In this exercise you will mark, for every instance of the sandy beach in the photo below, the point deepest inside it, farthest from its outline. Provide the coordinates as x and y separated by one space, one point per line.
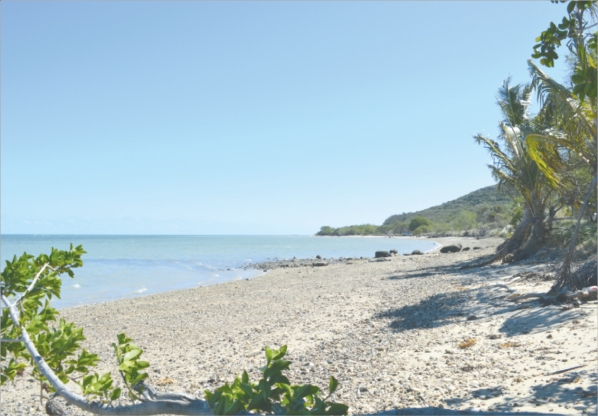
389 331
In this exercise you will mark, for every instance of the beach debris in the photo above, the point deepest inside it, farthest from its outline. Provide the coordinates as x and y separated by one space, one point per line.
509 344
453 248
55 408
467 343
379 254
564 370
586 293
165 381
494 336
502 285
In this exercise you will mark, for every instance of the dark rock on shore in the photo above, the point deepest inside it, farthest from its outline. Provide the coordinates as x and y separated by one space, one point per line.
453 248
295 262
382 254
416 253
393 252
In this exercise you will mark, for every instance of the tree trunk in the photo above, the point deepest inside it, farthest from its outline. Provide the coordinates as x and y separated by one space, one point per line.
513 244
538 234
567 280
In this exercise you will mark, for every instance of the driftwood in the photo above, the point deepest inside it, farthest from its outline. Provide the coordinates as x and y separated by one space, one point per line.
543 296
584 294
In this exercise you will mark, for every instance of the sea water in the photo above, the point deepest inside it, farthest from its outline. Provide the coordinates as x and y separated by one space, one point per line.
120 266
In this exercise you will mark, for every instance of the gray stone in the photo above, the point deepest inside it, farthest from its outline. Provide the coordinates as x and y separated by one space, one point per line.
453 248
382 254
416 253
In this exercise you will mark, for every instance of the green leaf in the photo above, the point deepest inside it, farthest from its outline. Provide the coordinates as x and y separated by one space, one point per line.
332 384
269 354
234 408
131 355
280 353
245 377
222 403
115 394
303 391
246 388
337 409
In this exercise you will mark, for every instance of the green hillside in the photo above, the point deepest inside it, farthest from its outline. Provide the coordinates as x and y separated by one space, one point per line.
447 212
485 208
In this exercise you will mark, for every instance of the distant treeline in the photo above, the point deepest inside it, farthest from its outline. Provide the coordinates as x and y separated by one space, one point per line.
485 209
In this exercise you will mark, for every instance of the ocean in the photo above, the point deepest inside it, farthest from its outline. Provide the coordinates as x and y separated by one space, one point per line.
121 266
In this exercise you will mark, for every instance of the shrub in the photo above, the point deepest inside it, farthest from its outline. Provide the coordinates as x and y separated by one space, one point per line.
273 393
418 222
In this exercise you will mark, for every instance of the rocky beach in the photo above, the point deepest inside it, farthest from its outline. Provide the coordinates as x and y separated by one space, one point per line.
403 335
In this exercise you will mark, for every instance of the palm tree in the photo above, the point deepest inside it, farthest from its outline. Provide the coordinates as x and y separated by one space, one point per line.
568 116
569 133
517 173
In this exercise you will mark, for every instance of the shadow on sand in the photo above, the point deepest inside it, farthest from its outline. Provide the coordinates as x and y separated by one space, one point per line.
475 303
442 412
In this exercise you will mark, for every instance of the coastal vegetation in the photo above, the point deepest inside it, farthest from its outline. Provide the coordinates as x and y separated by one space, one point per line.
548 160
481 210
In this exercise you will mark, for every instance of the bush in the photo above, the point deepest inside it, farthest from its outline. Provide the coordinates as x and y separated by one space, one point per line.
418 222
273 393
423 229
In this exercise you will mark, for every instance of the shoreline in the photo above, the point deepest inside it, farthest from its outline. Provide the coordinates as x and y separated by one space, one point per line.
388 331
260 267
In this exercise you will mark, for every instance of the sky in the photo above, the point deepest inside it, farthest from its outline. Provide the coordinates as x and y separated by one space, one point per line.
249 117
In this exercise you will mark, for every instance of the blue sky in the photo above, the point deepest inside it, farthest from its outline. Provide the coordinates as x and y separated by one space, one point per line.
249 117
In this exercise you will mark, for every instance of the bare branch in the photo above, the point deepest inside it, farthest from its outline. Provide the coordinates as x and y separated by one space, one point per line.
32 285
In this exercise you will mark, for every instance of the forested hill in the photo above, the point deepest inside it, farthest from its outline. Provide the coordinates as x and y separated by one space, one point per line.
485 208
447 212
